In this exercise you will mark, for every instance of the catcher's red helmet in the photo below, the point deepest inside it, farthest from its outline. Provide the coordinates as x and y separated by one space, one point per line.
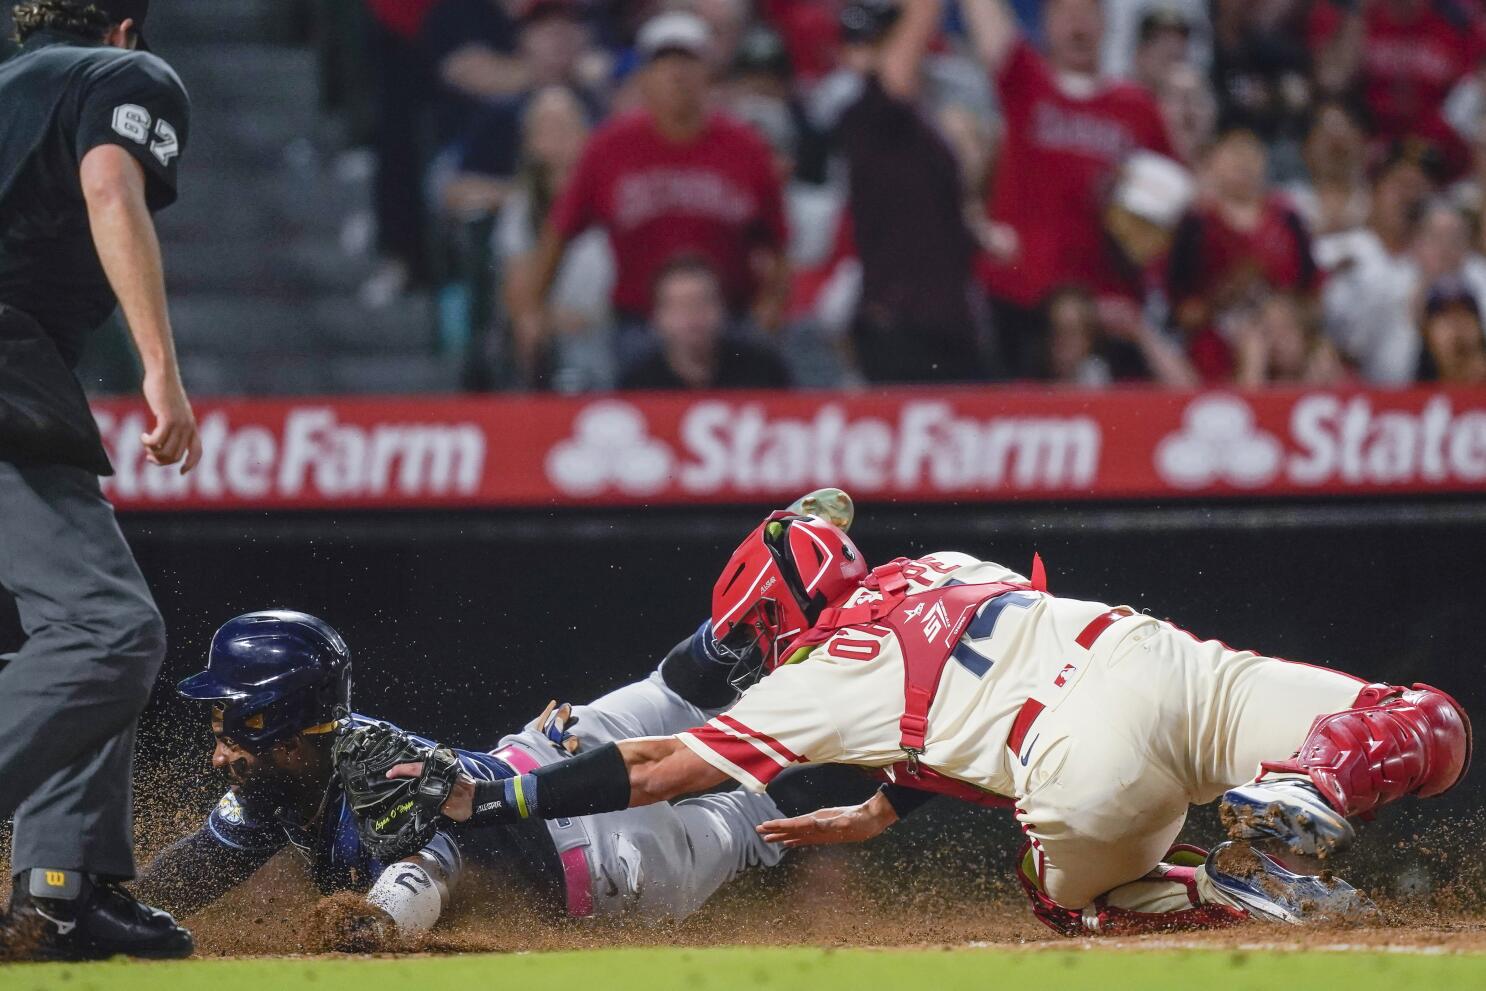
778 581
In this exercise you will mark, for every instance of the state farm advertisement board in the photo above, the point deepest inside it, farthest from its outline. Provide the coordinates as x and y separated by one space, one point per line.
905 444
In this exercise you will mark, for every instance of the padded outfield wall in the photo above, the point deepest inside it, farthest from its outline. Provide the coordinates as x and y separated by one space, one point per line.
464 620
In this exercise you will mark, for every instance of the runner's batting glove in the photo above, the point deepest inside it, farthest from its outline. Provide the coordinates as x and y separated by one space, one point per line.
556 723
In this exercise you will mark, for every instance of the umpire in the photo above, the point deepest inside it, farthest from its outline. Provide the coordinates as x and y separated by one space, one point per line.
91 130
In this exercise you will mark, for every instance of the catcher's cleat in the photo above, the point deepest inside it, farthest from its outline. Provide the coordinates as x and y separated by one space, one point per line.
1256 883
831 505
1290 810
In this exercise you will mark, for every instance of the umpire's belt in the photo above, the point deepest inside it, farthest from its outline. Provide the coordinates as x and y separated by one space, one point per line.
572 849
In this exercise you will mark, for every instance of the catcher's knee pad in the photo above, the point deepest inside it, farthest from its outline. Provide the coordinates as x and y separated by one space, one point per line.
1103 918
1393 742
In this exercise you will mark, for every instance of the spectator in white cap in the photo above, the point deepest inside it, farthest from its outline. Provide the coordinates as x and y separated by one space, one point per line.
670 178
1164 40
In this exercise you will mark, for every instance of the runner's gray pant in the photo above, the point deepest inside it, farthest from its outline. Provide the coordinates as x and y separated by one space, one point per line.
70 696
663 860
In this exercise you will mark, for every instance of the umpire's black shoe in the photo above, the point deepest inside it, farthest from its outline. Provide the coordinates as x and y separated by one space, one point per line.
67 915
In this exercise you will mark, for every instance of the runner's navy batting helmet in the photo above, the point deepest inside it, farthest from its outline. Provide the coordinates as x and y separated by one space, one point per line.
274 674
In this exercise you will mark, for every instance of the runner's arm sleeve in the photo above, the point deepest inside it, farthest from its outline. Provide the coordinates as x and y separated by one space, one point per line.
198 869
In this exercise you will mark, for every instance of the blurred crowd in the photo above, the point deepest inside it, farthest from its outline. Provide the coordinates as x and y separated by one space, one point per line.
749 193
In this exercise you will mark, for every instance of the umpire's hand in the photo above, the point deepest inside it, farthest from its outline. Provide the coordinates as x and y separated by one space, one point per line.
175 436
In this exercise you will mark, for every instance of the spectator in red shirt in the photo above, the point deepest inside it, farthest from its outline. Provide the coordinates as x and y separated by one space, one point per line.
1067 131
1405 56
1237 244
670 178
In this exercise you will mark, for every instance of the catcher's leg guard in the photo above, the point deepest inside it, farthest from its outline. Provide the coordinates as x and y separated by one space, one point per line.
1165 900
1393 742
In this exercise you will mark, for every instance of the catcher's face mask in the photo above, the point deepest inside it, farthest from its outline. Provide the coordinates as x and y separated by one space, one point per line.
752 644
775 586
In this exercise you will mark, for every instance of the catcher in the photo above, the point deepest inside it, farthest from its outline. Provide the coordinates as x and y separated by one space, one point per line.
280 686
1099 725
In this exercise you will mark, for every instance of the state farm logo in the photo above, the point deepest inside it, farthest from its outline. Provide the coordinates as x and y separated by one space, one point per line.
611 446
1219 442
1329 441
312 455
748 448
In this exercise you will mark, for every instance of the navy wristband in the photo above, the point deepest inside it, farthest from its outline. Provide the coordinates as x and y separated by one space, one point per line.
505 801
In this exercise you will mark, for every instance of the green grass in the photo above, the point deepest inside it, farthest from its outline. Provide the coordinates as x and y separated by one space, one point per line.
784 969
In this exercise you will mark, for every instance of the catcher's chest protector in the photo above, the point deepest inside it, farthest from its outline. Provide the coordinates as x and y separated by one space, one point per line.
927 626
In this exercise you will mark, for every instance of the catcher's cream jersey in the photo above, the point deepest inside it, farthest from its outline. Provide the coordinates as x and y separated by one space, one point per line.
842 703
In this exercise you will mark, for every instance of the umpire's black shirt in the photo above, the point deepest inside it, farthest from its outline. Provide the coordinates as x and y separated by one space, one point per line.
61 97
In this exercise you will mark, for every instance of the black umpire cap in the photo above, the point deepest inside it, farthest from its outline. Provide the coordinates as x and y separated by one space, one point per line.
119 11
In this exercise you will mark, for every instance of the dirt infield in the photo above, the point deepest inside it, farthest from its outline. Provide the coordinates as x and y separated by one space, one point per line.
821 903
933 885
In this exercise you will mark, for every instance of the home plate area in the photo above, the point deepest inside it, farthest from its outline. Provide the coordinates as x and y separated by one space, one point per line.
915 915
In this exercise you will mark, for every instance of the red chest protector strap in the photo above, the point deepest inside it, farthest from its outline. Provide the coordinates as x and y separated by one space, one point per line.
929 626
888 579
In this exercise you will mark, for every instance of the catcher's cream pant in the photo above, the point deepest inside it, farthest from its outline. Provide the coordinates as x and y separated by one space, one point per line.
1158 722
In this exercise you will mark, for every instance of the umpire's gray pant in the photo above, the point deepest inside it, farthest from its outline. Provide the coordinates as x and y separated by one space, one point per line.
70 696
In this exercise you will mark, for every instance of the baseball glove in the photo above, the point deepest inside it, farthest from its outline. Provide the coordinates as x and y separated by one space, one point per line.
396 817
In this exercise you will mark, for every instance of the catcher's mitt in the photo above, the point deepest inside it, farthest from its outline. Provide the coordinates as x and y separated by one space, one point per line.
396 817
